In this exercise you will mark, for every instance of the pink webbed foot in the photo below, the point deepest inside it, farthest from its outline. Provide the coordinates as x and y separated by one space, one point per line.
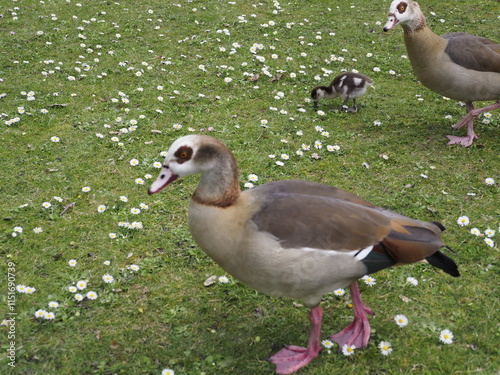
464 141
358 332
468 120
292 358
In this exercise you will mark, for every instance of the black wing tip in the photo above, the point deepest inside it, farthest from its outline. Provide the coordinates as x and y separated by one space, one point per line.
444 263
439 225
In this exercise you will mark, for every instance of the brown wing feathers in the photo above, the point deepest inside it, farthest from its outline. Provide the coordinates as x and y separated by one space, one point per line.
473 52
414 244
320 222
333 219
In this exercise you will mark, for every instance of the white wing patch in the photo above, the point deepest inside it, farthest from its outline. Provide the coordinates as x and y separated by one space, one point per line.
357 254
363 253
357 81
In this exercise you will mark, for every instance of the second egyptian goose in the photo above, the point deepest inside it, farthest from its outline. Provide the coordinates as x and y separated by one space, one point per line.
460 66
346 86
295 239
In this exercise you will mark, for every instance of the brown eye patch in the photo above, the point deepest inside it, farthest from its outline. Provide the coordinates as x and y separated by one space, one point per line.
402 7
206 153
183 154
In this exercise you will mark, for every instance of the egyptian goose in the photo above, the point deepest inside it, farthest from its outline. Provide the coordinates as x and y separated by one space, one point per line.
457 65
295 239
347 86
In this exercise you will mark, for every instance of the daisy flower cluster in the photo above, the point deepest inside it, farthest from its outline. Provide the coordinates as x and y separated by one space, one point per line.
79 288
47 207
40 313
385 347
312 149
25 289
488 234
44 314
56 207
252 179
132 211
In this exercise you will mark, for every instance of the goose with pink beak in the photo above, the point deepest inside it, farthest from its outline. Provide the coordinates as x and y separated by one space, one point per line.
295 239
456 65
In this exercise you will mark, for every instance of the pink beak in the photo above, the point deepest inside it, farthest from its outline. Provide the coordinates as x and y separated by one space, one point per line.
166 176
391 22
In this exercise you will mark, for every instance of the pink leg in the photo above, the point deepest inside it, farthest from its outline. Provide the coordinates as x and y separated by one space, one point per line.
469 120
291 358
358 332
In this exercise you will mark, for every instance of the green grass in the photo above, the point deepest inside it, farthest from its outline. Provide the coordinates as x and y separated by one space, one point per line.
162 316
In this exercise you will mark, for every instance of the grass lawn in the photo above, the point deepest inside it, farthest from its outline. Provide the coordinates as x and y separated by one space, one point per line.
92 92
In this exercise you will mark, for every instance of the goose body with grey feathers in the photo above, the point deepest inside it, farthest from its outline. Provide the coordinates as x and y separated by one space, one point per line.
295 239
457 65
347 86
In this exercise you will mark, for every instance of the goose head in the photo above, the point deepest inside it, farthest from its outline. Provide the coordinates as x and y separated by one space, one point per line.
207 156
322 92
406 13
186 156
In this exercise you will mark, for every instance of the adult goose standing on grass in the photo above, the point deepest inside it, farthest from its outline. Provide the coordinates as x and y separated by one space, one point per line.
458 65
295 239
347 86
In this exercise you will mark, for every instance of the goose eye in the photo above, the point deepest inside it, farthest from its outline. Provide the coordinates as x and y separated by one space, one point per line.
402 7
183 154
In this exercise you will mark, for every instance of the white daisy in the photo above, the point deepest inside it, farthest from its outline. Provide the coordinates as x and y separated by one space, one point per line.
475 231
385 347
81 284
108 279
446 336
370 281
348 350
92 295
489 242
401 320
40 313
489 232
223 280
327 344
253 177
339 292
